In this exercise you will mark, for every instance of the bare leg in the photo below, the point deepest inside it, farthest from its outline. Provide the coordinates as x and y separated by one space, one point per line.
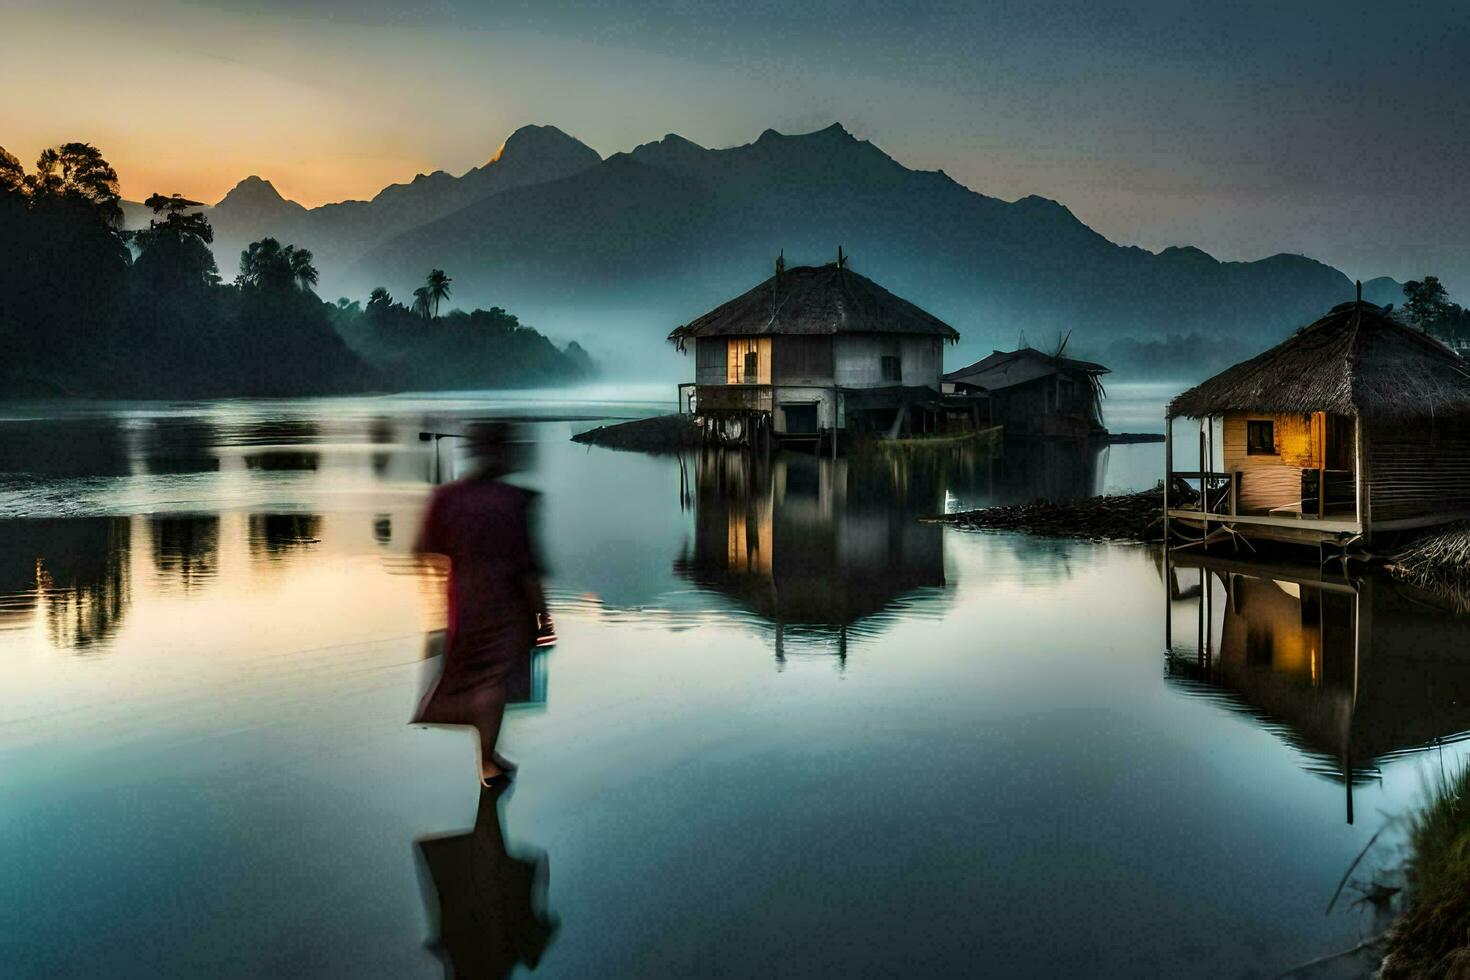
490 714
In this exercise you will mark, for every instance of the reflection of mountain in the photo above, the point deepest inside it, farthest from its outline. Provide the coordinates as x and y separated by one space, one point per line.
186 549
810 542
1352 671
488 906
274 535
75 568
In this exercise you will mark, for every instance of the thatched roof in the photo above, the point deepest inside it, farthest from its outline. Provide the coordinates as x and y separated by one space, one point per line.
1356 360
818 300
1006 369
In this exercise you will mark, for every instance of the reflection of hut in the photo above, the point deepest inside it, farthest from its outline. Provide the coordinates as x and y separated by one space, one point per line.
1351 671
1036 395
815 350
1357 424
803 541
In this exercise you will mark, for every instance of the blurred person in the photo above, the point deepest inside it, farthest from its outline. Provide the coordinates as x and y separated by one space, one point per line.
497 609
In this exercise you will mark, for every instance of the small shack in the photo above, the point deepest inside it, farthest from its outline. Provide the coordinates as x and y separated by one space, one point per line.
1035 395
812 352
1356 425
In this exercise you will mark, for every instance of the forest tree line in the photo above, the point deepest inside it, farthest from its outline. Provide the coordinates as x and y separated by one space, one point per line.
89 309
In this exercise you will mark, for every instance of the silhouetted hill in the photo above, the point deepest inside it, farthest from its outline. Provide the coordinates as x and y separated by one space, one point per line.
339 234
649 239
1384 291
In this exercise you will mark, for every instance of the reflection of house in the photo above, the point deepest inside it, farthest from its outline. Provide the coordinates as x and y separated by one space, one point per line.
812 350
1036 395
1356 424
813 542
1352 671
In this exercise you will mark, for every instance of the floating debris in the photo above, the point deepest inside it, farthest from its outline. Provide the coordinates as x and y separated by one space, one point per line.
1112 517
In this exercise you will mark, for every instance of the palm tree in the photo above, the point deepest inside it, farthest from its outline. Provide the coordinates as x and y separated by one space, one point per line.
302 271
421 301
438 286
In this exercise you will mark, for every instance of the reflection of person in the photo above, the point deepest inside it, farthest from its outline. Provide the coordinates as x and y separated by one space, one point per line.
491 910
496 607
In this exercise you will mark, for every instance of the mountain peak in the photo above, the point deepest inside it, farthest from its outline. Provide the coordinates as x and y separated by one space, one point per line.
256 193
254 187
535 141
834 131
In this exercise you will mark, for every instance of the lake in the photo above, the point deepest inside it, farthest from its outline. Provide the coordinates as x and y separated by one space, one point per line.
789 728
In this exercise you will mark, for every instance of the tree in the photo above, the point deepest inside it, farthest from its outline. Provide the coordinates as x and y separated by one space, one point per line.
1426 302
174 248
438 286
78 173
272 267
302 271
422 301
12 174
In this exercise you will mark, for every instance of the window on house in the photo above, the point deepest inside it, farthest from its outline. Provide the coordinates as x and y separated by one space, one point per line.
752 367
1260 438
892 368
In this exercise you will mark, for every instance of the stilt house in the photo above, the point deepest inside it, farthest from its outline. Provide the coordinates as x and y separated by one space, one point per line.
1358 424
814 351
1034 394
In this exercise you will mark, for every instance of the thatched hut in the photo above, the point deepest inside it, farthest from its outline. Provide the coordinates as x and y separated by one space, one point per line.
814 350
1036 395
1356 424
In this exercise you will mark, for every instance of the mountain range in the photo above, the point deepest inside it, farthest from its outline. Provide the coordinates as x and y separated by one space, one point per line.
615 252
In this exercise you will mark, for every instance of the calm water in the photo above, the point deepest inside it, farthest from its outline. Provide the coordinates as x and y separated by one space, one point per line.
789 729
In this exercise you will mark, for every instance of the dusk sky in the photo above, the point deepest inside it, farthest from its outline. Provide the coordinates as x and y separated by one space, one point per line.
1341 130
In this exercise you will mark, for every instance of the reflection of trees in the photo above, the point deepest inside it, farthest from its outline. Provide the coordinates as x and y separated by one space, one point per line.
274 535
77 568
65 447
180 445
1351 671
186 548
278 460
814 544
1020 473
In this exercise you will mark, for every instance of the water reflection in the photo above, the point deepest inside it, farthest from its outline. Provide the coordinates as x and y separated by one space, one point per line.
1351 671
814 545
185 549
177 446
276 535
487 905
75 569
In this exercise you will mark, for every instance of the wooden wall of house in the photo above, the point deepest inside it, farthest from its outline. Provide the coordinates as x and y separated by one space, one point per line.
802 361
711 357
736 349
1266 481
859 360
1417 469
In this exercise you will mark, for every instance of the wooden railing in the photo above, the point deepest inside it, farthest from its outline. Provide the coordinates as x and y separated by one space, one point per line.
732 398
1206 491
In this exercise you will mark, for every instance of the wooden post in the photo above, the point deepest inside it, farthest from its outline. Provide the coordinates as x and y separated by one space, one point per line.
1321 464
1168 471
1358 475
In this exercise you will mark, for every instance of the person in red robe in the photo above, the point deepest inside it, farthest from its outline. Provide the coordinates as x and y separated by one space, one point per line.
497 610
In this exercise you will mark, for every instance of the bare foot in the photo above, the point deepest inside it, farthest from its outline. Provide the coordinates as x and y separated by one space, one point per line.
490 773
